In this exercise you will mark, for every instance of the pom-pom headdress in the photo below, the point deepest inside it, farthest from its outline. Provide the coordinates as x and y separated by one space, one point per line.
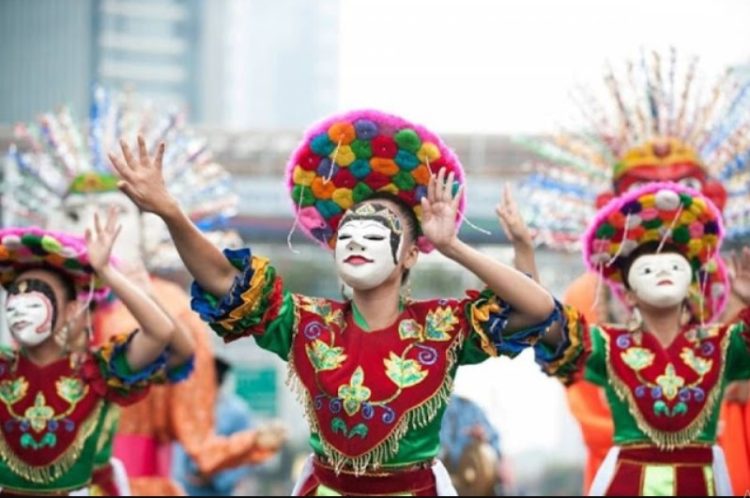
23 249
346 158
666 213
658 118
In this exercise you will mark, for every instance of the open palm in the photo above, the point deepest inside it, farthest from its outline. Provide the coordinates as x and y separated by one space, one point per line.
141 177
439 209
101 241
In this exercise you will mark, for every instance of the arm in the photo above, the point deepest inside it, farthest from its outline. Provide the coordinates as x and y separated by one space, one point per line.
156 327
142 180
518 233
531 303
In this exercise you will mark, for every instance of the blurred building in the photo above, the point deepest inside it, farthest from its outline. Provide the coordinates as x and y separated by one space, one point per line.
237 63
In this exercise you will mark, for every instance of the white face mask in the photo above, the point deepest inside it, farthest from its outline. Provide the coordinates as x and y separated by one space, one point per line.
367 248
29 318
77 215
661 280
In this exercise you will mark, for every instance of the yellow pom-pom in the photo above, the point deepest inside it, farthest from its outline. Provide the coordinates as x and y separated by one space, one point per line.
648 201
429 152
390 188
344 157
687 217
302 177
695 247
651 236
343 197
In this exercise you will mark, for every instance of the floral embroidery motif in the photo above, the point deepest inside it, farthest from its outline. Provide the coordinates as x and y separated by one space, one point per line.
39 414
324 357
339 426
323 308
355 393
439 323
701 366
12 391
71 389
670 382
638 358
404 373
410 329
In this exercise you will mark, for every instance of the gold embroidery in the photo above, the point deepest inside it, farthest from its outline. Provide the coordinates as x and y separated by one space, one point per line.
13 391
670 382
404 373
701 366
410 329
638 358
662 439
324 357
39 414
62 464
355 393
439 323
71 389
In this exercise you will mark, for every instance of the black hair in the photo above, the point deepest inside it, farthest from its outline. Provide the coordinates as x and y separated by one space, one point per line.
625 264
413 229
222 369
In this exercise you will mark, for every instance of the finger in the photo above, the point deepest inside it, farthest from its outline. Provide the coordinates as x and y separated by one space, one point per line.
87 235
122 169
142 150
431 188
426 209
160 156
97 225
510 201
127 189
117 231
504 225
111 219
129 159
440 186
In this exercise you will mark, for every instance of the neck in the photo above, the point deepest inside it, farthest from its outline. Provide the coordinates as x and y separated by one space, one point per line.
664 323
379 306
45 353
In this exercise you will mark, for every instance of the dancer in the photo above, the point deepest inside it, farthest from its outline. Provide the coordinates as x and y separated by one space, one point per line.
374 371
56 393
665 372
654 125
58 176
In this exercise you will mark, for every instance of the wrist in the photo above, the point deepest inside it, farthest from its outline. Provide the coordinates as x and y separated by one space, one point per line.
451 249
169 210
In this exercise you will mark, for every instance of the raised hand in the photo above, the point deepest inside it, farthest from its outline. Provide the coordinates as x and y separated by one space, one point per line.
739 268
511 220
141 178
439 209
101 240
271 435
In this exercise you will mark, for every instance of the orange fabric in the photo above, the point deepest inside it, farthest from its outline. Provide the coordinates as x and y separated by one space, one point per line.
183 412
589 407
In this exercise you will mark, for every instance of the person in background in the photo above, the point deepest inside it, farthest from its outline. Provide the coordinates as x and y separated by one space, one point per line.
465 428
232 416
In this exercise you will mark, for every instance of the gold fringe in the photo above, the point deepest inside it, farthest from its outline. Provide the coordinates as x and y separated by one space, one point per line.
668 440
111 421
416 418
62 464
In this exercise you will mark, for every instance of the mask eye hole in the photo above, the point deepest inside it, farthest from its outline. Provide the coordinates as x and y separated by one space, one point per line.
374 237
73 216
344 237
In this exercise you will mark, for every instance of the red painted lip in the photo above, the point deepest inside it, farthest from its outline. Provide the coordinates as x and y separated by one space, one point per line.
665 282
357 260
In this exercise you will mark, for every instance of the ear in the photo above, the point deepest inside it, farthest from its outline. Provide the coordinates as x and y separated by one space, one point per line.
630 298
411 257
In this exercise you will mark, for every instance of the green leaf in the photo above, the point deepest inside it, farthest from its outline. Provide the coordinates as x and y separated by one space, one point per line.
404 373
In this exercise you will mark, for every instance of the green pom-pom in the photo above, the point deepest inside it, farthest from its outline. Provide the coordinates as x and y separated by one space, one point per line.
32 241
307 197
651 224
327 208
681 235
360 168
686 200
406 160
404 181
322 145
51 244
606 231
361 149
72 264
361 192
408 139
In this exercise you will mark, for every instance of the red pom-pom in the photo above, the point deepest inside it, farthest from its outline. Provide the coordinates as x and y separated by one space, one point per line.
376 180
344 179
384 147
309 160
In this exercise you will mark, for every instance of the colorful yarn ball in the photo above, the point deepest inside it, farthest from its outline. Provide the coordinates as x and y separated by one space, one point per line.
345 159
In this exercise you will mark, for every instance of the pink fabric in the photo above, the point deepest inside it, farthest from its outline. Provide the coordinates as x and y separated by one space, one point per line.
140 455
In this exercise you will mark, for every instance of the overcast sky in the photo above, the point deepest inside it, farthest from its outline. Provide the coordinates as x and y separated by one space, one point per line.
508 65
